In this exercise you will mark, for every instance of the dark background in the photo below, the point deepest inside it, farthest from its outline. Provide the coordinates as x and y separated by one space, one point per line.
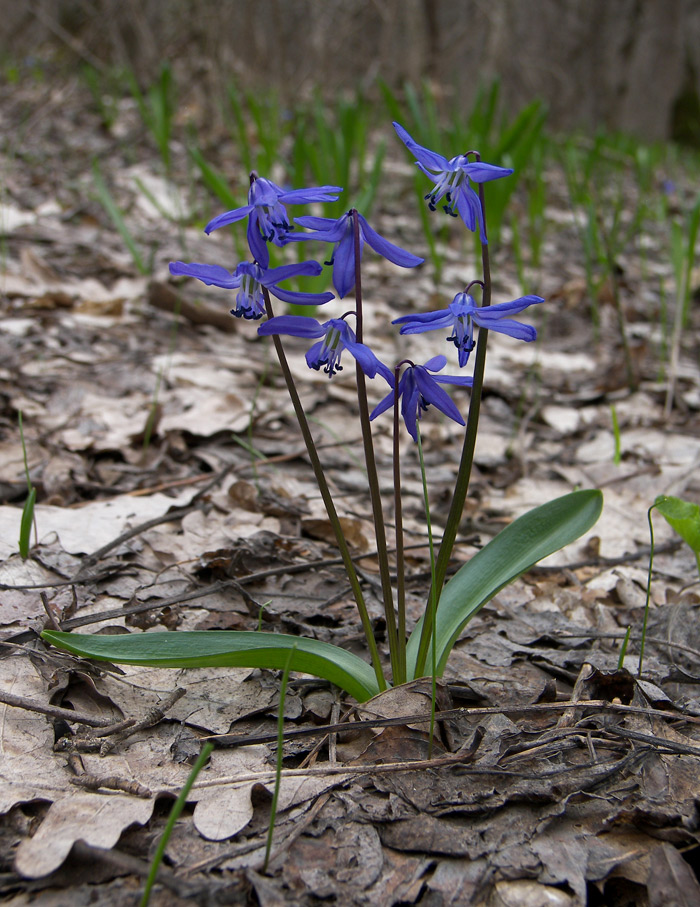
632 65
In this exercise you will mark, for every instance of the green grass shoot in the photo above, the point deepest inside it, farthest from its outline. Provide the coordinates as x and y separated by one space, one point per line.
623 649
27 521
617 454
175 812
280 756
107 201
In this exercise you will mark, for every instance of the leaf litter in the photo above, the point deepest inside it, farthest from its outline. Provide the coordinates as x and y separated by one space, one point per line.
557 777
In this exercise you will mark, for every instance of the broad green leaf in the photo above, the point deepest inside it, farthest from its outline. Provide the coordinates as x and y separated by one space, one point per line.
684 518
535 535
221 648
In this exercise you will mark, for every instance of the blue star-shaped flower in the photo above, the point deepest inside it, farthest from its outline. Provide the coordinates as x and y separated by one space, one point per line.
250 278
463 313
340 231
337 336
418 389
451 178
268 216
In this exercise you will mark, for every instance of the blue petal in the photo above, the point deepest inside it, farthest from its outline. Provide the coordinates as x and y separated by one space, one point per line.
508 308
461 380
319 223
344 265
427 158
314 194
484 173
256 243
428 321
469 208
369 363
386 402
433 393
211 275
307 268
300 298
293 325
313 354
436 363
511 328
229 217
386 249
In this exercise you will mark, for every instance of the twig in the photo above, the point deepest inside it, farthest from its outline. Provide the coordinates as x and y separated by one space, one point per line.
594 704
53 711
683 749
152 717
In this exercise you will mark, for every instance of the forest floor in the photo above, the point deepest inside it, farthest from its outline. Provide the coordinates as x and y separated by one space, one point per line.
215 523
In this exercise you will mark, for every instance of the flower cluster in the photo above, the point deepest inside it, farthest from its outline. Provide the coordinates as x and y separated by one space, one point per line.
419 386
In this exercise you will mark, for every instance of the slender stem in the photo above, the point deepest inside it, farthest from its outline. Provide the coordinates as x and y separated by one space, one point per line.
648 599
432 607
327 500
459 495
372 475
177 808
280 757
398 520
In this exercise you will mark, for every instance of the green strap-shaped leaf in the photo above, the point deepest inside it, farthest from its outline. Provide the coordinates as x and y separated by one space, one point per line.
514 550
234 648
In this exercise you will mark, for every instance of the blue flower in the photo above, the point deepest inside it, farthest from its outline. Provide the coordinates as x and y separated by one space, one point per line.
461 316
268 216
343 259
250 278
451 180
418 389
337 336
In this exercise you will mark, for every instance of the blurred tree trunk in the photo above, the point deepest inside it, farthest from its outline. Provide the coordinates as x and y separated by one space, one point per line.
625 64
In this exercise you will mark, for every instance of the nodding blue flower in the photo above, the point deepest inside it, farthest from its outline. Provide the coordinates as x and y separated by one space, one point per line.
451 178
249 279
337 336
343 259
463 313
418 389
268 220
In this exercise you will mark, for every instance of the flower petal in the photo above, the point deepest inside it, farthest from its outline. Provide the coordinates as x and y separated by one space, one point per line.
436 363
306 268
314 194
425 321
344 265
432 393
228 217
211 275
386 249
484 173
384 403
256 243
369 363
292 325
295 298
427 158
512 328
507 308
469 208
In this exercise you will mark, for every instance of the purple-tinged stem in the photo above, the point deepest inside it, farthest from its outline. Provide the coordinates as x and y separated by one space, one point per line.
372 475
327 500
459 495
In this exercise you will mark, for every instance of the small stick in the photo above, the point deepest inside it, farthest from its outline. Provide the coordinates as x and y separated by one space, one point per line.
53 711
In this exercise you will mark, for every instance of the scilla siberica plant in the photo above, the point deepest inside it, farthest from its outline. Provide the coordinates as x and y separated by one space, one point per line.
412 389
